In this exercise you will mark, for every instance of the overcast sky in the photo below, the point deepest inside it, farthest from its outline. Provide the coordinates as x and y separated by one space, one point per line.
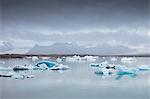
86 22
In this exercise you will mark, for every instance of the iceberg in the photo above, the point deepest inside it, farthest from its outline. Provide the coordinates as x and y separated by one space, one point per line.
105 68
104 64
128 60
35 58
48 64
113 59
144 68
51 65
81 59
59 60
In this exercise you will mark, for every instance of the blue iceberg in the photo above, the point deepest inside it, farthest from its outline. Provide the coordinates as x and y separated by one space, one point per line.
49 64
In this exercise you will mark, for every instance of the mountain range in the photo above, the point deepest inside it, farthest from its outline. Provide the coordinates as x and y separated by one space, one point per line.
70 48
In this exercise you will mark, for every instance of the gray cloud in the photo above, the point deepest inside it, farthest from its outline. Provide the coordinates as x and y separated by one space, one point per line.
72 15
121 36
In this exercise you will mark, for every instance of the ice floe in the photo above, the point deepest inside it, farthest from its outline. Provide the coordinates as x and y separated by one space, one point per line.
81 59
128 60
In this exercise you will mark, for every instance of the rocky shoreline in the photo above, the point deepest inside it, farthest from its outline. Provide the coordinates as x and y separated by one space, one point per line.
63 55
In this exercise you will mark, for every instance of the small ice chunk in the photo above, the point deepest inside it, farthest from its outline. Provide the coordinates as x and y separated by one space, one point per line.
35 58
58 60
113 59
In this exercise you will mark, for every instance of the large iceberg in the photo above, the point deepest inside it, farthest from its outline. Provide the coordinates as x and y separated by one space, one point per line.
105 68
51 65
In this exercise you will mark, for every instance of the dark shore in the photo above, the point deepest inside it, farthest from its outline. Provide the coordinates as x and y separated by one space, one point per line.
64 55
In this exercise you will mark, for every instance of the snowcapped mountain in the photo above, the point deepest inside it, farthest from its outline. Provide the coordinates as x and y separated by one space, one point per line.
6 46
70 48
9 48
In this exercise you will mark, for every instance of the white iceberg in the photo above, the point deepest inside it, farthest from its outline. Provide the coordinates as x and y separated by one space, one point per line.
35 58
59 60
128 60
113 59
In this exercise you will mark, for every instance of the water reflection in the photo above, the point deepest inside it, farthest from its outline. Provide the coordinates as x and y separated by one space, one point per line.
117 76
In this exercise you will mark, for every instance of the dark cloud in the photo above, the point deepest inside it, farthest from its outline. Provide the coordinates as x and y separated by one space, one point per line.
70 15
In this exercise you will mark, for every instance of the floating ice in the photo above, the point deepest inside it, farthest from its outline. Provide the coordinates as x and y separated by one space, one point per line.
105 68
144 68
5 75
5 68
74 59
60 67
106 71
90 58
35 58
20 68
113 59
16 76
52 65
20 76
128 60
46 64
101 65
59 60
81 59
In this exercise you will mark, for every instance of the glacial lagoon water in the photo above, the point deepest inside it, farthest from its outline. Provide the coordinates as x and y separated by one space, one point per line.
79 82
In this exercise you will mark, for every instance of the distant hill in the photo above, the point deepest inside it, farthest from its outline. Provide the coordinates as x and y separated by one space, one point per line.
69 48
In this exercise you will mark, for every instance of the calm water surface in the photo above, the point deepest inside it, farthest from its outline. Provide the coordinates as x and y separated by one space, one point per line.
79 82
